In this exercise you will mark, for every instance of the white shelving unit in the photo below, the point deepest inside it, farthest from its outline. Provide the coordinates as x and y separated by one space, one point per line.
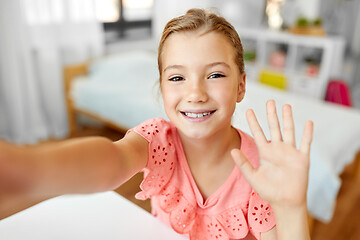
328 50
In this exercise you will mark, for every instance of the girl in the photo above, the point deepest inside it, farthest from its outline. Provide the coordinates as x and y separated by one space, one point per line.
206 179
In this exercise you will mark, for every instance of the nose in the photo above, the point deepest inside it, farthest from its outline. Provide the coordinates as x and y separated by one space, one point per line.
196 91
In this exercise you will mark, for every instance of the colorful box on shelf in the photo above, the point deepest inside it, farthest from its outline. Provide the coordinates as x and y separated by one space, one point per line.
273 78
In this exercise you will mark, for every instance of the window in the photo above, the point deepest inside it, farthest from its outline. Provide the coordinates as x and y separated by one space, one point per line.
123 17
107 10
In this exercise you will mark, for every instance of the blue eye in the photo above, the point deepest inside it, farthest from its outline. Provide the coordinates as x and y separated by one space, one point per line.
216 75
176 79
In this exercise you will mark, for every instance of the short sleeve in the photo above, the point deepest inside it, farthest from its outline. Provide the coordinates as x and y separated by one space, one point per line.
151 128
161 156
261 217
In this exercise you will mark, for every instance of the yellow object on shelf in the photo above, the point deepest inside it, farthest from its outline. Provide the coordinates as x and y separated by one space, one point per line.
273 78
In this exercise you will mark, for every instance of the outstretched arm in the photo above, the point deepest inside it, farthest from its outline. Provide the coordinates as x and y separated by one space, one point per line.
282 176
85 165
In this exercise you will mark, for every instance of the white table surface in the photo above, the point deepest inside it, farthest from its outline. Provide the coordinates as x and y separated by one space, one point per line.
94 216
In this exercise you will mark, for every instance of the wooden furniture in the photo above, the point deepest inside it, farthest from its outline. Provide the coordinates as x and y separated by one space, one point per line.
70 73
307 30
356 167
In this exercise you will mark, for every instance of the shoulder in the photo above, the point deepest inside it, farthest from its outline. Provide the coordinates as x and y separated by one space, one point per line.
162 159
153 128
148 136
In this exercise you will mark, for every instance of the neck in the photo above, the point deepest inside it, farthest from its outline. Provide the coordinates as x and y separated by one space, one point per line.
214 147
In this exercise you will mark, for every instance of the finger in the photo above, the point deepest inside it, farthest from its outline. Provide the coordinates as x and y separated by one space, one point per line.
255 128
273 121
307 137
288 125
243 164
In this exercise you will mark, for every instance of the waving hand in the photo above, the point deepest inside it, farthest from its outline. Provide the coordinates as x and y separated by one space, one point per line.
282 176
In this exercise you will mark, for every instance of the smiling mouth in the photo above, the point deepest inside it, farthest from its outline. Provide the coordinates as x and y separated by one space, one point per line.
197 115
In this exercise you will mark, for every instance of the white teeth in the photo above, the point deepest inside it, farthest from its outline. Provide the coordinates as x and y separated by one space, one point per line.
197 115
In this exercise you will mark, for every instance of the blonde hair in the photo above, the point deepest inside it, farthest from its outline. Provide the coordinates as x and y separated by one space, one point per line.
196 19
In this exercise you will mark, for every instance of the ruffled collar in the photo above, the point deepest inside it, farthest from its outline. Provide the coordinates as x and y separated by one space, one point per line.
186 216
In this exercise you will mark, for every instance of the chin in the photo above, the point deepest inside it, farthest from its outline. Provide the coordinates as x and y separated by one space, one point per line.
196 134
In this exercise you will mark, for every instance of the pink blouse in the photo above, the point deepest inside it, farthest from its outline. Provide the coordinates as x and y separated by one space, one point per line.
231 212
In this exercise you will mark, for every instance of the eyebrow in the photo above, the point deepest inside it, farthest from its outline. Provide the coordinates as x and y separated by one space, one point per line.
218 63
173 67
207 66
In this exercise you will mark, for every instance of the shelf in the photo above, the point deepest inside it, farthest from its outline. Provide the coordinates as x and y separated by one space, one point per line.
305 85
306 62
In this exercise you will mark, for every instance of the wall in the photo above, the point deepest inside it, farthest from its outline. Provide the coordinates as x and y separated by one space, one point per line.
239 12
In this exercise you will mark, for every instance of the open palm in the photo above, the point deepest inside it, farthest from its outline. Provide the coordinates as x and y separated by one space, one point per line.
282 176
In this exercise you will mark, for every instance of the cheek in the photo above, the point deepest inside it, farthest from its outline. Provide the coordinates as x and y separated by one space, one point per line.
169 95
226 93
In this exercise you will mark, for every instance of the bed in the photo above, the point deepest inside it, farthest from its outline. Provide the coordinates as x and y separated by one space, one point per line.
121 91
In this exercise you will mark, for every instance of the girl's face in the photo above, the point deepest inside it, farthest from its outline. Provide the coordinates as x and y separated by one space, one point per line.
200 83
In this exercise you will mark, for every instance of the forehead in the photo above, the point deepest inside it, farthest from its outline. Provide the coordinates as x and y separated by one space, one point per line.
194 47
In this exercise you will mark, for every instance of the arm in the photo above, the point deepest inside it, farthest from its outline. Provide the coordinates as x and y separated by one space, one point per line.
83 165
282 176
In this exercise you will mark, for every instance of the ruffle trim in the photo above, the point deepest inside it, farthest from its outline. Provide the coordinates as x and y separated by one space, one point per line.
233 223
161 164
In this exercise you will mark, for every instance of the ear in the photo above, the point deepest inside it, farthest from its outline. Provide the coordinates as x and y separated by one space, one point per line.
241 89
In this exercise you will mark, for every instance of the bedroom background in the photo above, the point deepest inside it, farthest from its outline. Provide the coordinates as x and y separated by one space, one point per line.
40 37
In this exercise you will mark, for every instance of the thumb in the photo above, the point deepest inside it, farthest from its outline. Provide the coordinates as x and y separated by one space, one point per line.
243 164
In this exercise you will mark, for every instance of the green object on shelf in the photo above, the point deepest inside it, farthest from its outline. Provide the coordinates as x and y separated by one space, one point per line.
317 22
305 22
302 22
249 56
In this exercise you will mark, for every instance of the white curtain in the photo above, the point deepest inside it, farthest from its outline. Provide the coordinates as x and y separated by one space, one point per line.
355 49
38 37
